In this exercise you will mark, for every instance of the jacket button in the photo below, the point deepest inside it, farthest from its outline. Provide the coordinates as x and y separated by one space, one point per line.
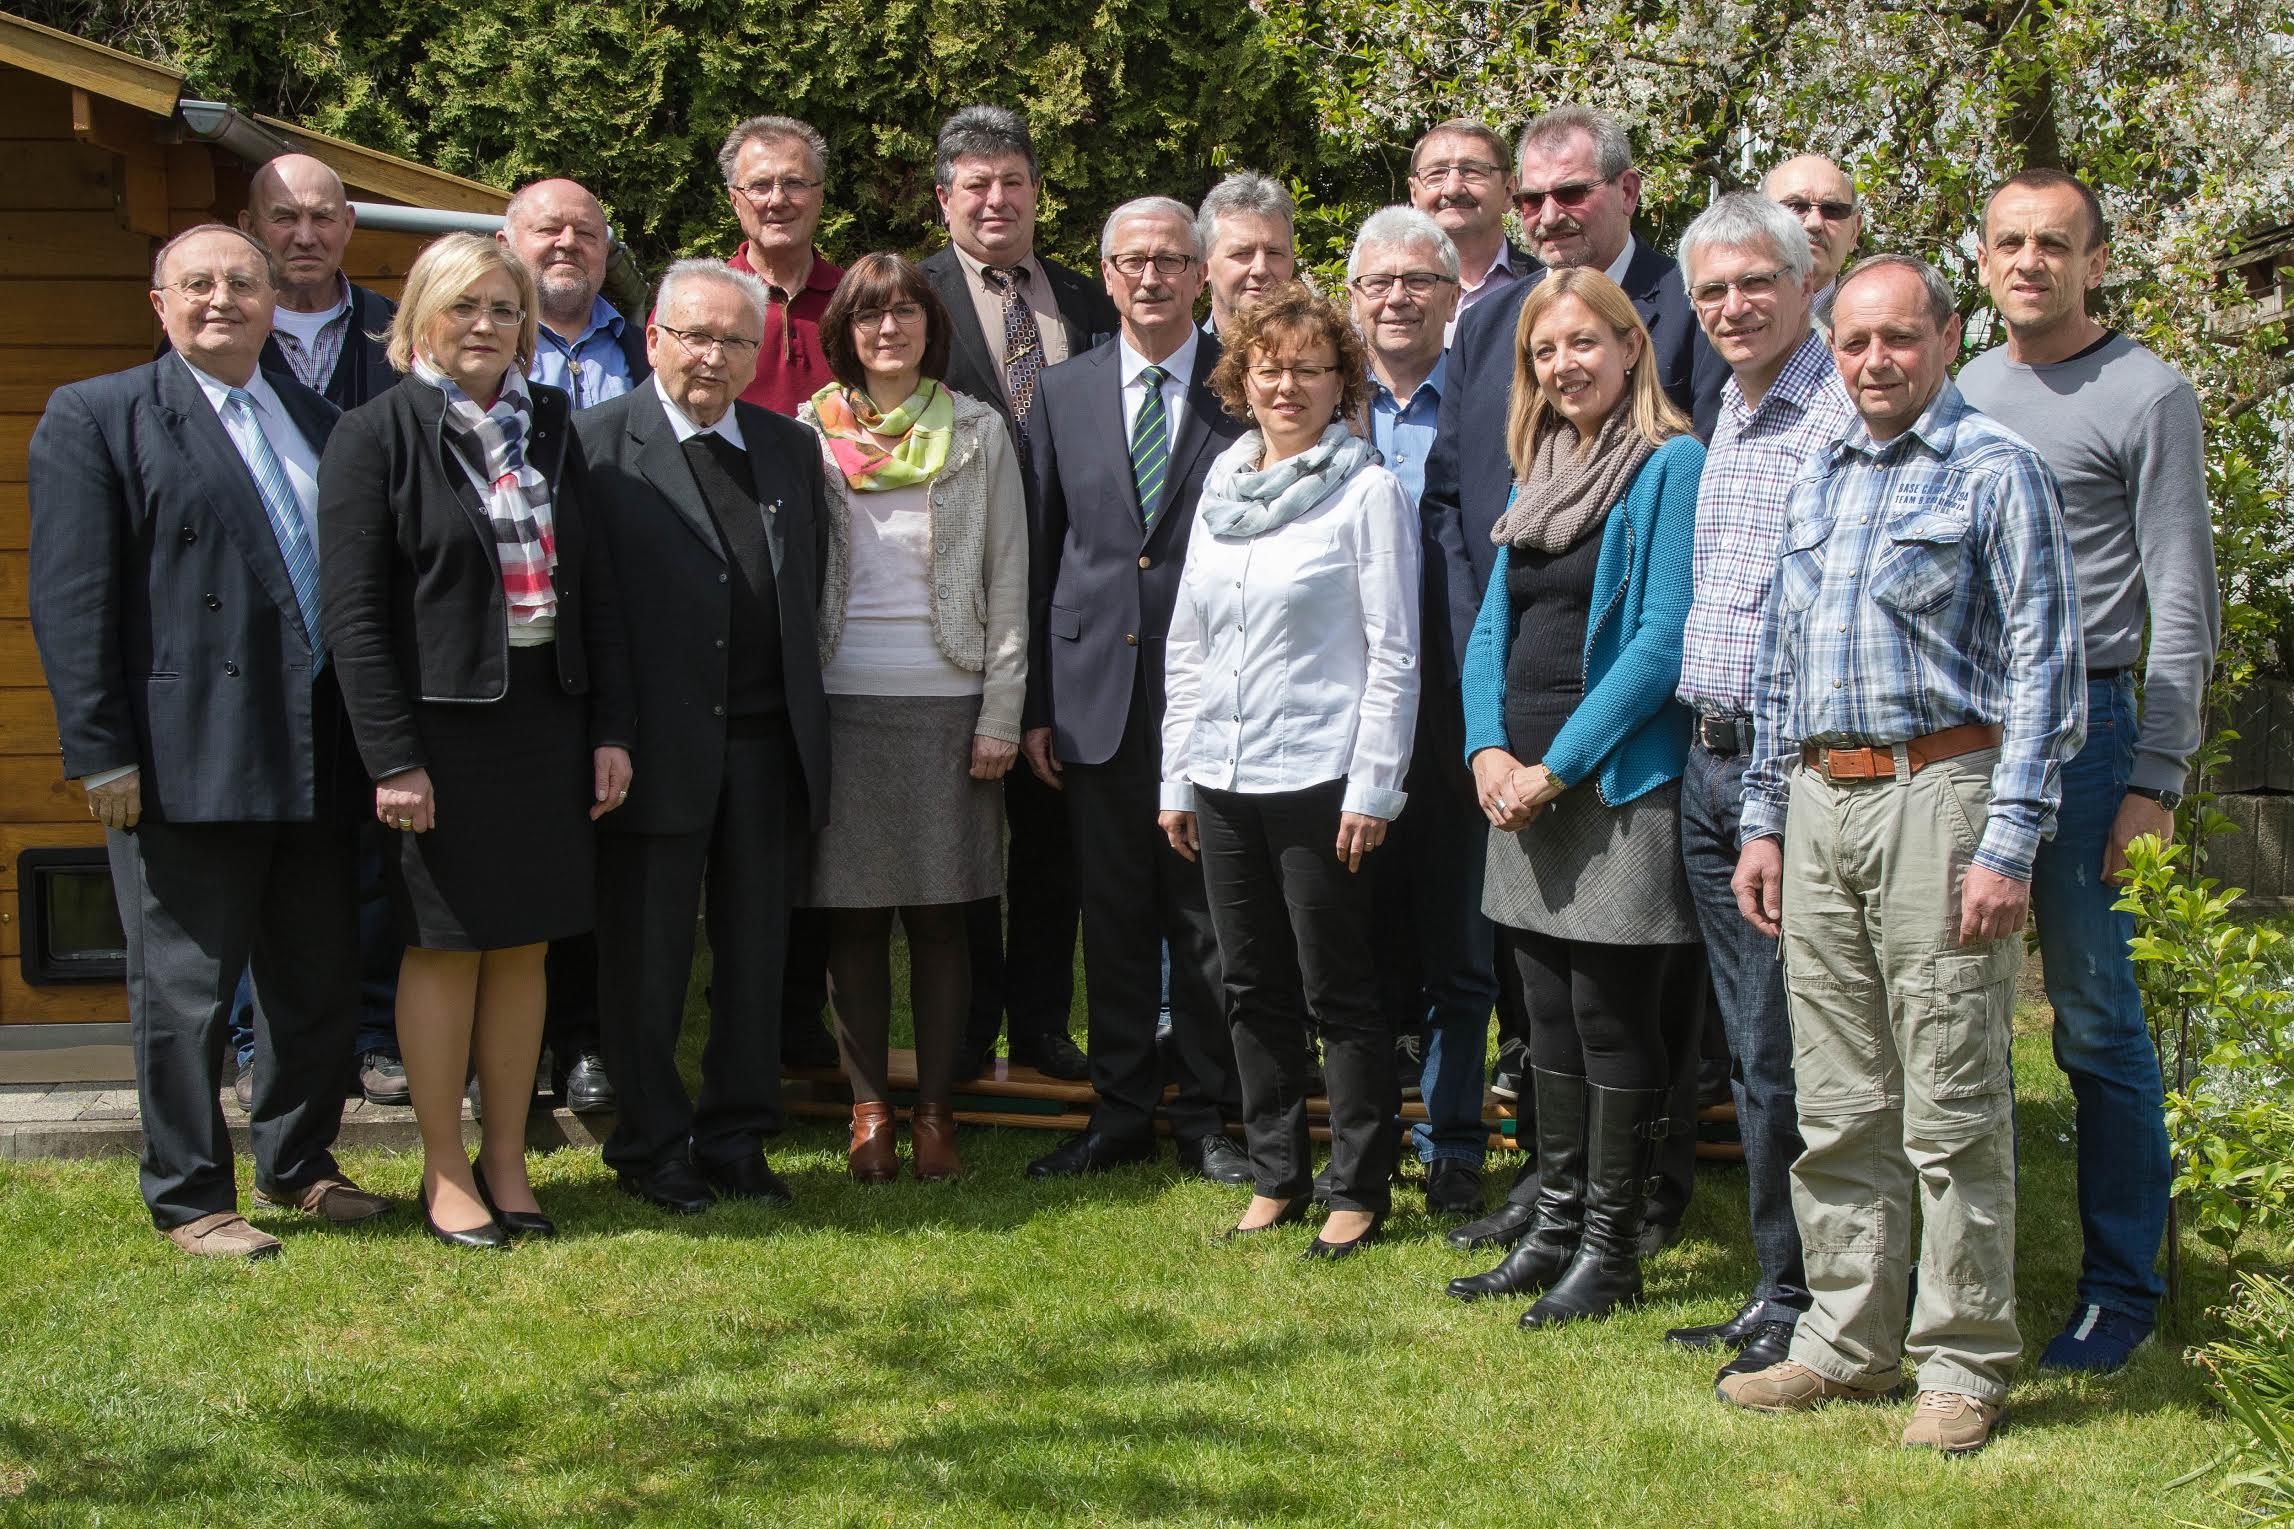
720 643
716 711
214 604
1146 562
1131 639
723 578
231 669
189 536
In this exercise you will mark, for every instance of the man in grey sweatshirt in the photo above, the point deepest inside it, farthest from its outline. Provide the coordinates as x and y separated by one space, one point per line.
2120 429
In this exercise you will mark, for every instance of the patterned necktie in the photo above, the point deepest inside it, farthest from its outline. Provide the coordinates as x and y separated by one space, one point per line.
1150 443
286 516
1023 344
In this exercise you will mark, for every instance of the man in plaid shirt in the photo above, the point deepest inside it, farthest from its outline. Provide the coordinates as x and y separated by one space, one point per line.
1921 656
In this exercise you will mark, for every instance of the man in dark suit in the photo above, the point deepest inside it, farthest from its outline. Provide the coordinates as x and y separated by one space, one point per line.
174 597
1123 438
716 514
1577 194
1015 314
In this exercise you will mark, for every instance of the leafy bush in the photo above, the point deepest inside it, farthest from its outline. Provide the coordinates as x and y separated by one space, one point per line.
2251 1369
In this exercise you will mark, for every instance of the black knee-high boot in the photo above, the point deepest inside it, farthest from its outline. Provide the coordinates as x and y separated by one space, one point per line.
1624 1129
1541 1255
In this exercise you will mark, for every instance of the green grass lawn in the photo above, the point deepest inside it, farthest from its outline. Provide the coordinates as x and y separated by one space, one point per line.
983 1353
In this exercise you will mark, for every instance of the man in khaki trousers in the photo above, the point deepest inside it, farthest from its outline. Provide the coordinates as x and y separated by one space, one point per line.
1920 683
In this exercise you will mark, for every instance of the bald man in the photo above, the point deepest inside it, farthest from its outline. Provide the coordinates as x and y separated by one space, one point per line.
321 331
1819 193
585 346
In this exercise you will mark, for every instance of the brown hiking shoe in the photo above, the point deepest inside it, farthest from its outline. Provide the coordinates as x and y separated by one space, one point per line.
222 1234
336 1199
1793 1387
1952 1422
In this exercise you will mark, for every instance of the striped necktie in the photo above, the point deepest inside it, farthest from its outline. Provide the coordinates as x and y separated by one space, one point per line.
1150 444
1023 344
286 515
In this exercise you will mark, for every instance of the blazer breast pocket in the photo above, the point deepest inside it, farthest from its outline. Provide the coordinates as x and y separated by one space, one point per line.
1066 623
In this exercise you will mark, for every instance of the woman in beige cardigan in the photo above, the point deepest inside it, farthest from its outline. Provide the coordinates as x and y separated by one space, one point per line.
923 632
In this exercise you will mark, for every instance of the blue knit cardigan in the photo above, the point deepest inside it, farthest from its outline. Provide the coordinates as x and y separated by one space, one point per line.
1629 727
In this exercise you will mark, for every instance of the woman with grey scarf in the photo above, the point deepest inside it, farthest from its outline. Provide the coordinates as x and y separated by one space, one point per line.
1291 679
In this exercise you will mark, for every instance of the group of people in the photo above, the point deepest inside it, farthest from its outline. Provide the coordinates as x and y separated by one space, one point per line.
1561 630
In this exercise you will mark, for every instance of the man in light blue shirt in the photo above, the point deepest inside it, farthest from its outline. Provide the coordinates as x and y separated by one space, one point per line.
583 343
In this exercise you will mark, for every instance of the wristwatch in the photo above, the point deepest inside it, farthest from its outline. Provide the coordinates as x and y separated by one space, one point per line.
2170 800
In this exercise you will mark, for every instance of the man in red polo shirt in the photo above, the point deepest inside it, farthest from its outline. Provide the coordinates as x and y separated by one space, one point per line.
775 171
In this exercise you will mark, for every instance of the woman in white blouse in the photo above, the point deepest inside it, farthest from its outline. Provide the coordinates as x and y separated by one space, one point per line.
1292 684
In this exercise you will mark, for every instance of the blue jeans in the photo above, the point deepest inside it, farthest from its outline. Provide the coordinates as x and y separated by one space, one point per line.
379 951
1749 980
2101 1040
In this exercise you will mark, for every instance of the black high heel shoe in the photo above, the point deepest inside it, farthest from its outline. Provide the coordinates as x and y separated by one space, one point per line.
518 1223
1374 1232
490 1235
1290 1215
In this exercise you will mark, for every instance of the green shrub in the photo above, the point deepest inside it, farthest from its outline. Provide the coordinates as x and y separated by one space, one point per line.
2251 1369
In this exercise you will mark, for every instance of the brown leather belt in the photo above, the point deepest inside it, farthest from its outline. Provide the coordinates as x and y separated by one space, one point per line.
1919 753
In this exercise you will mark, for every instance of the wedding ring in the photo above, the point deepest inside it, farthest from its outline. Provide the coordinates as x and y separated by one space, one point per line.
406 822
1503 805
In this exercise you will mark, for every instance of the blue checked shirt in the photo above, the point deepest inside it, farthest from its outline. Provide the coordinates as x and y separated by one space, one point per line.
1755 455
1923 584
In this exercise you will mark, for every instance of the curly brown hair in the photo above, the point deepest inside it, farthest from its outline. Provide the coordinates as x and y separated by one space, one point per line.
1290 317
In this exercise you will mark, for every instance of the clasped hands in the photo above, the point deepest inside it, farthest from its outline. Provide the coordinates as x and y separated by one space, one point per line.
1511 793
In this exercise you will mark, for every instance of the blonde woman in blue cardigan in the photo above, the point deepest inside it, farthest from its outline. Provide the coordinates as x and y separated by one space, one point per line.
1577 746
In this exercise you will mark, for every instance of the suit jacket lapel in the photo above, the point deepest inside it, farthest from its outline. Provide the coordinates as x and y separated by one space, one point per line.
1067 299
769 465
1194 436
947 273
222 474
661 459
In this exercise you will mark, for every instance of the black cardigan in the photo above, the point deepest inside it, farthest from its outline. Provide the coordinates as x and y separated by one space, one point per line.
411 584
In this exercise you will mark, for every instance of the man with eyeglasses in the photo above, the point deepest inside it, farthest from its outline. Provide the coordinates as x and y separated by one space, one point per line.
776 174
1126 433
1436 962
1819 194
1577 194
717 515
175 600
1461 175
583 344
1249 243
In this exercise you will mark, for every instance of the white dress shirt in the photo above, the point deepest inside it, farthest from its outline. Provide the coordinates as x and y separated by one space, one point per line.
1293 655
1616 269
726 426
1180 365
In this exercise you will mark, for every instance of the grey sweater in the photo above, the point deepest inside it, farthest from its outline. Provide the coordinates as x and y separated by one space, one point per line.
2121 430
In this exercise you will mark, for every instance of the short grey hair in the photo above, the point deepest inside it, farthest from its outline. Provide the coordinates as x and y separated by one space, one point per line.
1394 227
1150 207
1941 304
262 251
1743 218
1612 149
1245 191
685 273
981 132
773 129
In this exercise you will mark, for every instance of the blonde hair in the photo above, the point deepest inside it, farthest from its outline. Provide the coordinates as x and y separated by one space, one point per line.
1528 414
447 268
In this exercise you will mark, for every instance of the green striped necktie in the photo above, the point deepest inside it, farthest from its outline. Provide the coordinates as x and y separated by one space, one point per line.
1150 444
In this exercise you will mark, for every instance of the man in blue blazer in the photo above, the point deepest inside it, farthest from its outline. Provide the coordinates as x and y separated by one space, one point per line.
1123 438
174 598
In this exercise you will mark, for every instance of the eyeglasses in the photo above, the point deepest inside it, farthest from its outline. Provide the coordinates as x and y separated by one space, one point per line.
1570 195
1304 374
200 288
698 343
903 314
790 186
1752 286
1376 284
504 315
1801 207
1166 262
1474 172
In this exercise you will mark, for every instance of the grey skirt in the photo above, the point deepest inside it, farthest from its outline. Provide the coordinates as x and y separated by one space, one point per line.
1588 871
907 824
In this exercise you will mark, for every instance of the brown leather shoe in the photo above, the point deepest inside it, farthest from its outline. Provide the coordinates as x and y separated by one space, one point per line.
932 1131
222 1234
872 1157
335 1199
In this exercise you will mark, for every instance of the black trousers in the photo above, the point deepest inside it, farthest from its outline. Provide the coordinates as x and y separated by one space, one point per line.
202 902
1293 923
1023 953
570 1019
649 887
1137 893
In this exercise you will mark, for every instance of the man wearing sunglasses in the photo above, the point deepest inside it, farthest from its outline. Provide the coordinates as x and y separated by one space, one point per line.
1819 193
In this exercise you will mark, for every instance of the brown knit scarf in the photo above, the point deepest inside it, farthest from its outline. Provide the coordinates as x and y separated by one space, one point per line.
1567 492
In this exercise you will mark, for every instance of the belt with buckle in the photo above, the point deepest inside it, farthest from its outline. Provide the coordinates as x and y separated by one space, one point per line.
1724 734
1879 763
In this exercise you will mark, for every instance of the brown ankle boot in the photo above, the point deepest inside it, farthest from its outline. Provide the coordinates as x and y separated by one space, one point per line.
871 1156
932 1131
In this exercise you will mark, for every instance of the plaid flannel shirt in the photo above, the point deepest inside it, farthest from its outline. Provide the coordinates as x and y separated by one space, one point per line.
1923 584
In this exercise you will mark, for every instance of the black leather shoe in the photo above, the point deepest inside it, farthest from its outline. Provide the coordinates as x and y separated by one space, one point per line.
1734 1333
518 1223
673 1186
490 1235
745 1178
1453 1188
588 1090
1375 1232
1090 1152
1771 1343
804 1043
1055 1056
971 1061
1218 1158
1289 1215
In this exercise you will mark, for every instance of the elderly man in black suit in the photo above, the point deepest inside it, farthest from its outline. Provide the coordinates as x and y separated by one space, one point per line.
1123 438
1015 314
1576 192
716 514
174 598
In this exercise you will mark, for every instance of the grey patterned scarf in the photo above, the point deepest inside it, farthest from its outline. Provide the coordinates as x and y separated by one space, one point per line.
1242 500
1567 492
